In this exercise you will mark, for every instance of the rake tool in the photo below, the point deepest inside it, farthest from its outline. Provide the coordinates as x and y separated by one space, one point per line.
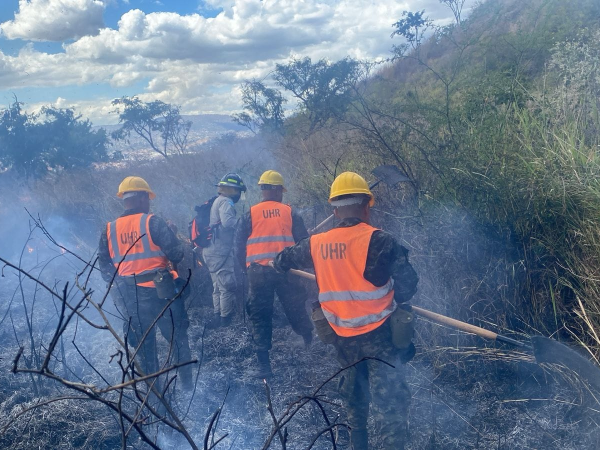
545 350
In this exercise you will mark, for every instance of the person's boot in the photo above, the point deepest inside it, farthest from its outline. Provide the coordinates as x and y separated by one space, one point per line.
215 322
263 369
359 439
226 321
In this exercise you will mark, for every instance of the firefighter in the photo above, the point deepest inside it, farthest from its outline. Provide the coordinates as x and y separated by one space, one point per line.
142 248
365 281
269 227
218 255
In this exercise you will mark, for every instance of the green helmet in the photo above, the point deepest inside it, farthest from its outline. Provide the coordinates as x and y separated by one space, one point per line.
232 180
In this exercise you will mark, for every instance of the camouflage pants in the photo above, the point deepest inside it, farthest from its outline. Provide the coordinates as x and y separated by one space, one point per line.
139 307
372 383
264 283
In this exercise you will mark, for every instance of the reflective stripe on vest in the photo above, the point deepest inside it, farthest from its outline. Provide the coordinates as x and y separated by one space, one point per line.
131 247
358 321
356 295
352 305
271 232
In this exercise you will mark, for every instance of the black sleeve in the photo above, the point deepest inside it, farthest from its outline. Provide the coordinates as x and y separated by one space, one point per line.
165 238
298 229
386 258
296 257
242 233
105 264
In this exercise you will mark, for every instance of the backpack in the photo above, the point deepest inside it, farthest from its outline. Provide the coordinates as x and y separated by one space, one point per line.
200 230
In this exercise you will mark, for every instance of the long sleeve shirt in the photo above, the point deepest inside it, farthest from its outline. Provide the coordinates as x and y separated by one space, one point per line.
160 234
386 259
223 221
244 230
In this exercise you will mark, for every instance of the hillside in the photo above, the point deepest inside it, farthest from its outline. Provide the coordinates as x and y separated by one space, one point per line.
494 120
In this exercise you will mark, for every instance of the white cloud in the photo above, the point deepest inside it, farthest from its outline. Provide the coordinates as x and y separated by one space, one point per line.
199 62
254 31
55 20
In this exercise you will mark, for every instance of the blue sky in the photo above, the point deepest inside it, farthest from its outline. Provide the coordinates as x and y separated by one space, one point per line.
113 12
84 53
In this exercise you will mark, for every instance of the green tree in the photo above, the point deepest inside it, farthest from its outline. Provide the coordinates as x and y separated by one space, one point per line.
324 90
158 123
263 108
411 27
70 141
33 144
19 146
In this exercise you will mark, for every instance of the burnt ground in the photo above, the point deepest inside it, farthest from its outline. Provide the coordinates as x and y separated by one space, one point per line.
464 397
471 399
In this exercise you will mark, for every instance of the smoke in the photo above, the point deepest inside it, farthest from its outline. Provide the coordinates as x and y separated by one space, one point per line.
465 390
42 223
27 311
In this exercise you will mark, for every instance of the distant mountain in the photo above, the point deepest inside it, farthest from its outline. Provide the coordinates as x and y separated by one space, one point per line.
205 128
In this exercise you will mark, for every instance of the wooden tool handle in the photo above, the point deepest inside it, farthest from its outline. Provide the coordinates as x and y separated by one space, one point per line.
321 225
438 318
301 273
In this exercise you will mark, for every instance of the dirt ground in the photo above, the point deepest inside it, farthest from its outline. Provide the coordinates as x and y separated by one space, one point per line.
464 397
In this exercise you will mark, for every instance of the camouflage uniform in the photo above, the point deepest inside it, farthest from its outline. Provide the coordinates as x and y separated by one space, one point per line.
371 381
141 305
264 282
376 383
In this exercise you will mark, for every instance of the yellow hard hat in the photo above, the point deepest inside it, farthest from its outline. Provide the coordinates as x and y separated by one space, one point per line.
350 183
135 184
272 178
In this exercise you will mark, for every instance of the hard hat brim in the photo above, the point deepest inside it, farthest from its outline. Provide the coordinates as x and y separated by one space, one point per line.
151 194
370 194
235 186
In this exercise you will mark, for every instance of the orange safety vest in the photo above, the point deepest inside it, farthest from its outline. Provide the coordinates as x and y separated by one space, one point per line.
132 254
271 232
194 233
350 303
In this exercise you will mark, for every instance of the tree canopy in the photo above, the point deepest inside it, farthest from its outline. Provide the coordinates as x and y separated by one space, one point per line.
323 90
158 123
55 138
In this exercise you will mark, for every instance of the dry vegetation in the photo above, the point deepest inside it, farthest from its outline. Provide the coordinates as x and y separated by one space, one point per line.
501 220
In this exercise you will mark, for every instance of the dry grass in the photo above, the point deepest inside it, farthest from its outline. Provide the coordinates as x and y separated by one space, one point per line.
464 395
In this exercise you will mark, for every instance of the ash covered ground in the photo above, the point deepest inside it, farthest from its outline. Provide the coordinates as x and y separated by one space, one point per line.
467 393
463 397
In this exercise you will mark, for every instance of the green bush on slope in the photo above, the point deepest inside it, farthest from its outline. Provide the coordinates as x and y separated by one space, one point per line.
497 119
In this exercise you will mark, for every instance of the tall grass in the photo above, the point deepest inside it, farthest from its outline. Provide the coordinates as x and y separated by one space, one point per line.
512 147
